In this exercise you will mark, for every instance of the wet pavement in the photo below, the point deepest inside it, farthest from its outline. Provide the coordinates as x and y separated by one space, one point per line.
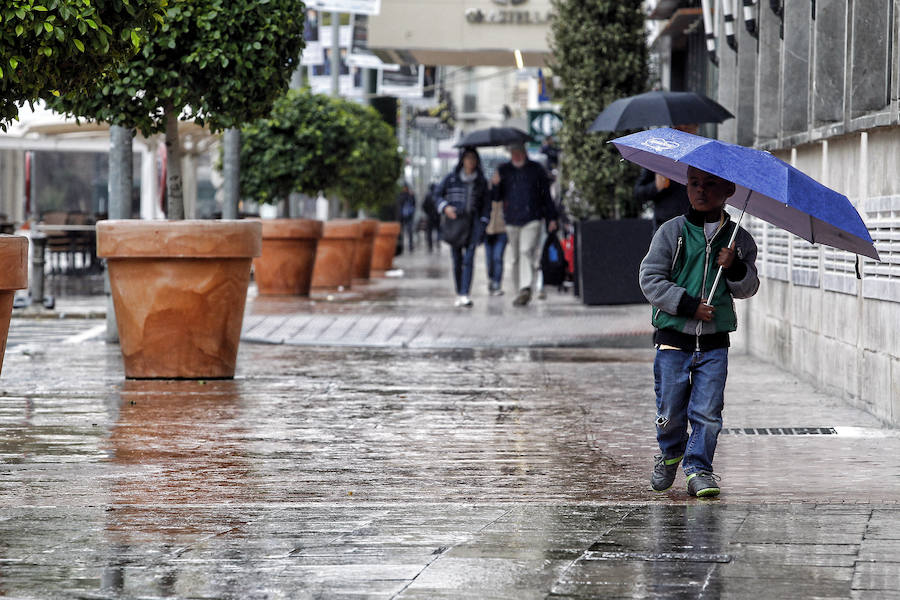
466 469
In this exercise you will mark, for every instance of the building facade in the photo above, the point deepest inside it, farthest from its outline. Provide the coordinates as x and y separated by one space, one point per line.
817 84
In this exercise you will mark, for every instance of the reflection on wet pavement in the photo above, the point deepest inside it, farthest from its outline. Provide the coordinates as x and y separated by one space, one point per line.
459 473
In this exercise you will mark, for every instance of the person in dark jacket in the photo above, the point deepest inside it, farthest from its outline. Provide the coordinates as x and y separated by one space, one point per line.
463 194
432 218
669 198
524 188
406 204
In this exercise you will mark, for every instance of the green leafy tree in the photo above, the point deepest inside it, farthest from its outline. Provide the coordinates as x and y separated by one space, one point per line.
50 47
313 143
368 176
600 54
221 63
298 148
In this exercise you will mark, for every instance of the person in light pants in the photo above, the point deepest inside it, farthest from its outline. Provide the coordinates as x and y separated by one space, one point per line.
524 188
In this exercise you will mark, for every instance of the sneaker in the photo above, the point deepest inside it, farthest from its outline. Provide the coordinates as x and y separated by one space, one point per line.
494 289
664 471
463 301
523 298
703 484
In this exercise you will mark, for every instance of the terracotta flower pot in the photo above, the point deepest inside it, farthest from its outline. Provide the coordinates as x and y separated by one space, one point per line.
335 254
179 289
385 247
288 256
13 276
362 262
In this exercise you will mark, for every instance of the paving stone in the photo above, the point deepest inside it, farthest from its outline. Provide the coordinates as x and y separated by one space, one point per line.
458 470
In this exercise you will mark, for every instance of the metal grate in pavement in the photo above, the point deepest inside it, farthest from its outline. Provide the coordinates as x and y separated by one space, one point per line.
780 431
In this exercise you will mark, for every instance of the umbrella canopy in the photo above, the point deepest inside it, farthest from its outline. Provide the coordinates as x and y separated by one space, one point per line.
494 136
767 187
652 109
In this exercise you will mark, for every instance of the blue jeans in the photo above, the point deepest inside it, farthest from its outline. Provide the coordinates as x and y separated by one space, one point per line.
463 266
494 246
690 387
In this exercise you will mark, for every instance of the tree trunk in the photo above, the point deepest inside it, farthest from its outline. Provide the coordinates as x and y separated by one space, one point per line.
121 172
232 173
121 176
174 192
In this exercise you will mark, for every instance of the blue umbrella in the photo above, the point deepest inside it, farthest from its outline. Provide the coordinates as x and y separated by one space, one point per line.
767 187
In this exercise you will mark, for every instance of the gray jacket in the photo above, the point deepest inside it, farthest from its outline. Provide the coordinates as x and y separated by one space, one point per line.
664 294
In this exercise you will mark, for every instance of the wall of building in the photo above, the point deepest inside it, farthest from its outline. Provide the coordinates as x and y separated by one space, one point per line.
819 89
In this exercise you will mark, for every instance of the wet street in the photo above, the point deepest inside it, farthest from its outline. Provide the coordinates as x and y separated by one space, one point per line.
378 443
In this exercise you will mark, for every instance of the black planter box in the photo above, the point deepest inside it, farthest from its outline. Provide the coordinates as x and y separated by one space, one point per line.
609 257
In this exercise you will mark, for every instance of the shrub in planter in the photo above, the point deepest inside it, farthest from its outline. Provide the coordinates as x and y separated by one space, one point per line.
217 63
312 144
600 55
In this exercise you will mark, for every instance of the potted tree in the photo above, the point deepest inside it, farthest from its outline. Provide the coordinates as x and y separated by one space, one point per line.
298 147
219 64
54 49
368 178
611 239
312 143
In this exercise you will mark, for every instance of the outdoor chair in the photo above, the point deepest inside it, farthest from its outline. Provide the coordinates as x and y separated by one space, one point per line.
58 242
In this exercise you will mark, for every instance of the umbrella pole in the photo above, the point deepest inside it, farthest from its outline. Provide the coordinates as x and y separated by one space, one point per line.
715 284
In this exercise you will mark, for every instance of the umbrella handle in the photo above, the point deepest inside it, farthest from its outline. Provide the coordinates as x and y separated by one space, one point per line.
715 284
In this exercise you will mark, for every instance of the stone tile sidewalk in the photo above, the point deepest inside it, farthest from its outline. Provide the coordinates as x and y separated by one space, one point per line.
414 309
465 471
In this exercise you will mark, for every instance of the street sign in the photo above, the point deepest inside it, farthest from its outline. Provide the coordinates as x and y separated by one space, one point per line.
543 123
360 7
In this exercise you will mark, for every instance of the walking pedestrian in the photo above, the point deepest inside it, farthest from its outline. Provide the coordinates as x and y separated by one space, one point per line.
668 198
406 201
432 218
495 239
551 151
524 188
462 200
692 330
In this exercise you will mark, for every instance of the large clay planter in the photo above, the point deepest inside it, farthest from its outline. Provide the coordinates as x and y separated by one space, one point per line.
288 256
362 261
385 247
179 289
13 276
335 254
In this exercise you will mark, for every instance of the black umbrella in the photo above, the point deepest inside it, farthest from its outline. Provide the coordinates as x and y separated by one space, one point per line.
659 108
494 136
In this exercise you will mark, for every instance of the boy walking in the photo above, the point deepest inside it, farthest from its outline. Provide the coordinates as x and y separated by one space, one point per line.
691 334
